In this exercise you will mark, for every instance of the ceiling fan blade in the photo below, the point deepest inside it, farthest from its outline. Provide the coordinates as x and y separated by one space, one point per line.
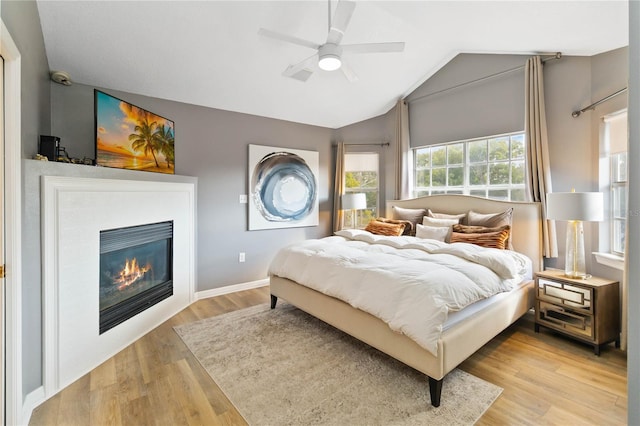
302 70
374 47
348 72
289 39
341 19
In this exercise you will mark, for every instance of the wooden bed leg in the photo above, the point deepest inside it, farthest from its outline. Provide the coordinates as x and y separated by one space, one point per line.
435 388
274 300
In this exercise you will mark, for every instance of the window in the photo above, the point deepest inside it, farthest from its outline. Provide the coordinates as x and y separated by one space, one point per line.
618 201
490 167
615 154
362 176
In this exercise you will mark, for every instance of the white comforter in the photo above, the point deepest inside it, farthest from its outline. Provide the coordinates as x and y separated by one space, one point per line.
409 283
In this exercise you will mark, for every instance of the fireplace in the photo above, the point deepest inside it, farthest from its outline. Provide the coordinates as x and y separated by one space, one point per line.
74 212
136 270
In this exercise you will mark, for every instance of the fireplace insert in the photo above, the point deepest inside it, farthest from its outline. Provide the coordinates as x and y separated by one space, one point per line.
136 270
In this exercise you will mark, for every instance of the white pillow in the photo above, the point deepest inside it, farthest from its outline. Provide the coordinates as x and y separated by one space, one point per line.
446 215
431 221
439 233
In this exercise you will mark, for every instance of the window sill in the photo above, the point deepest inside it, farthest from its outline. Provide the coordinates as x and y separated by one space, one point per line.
611 260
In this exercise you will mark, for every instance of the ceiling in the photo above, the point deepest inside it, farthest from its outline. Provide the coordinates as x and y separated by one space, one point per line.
209 53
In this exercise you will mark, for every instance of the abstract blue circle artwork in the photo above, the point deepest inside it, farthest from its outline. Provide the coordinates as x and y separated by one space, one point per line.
283 190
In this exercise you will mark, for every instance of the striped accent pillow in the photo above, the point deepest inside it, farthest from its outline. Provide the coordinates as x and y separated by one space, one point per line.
492 220
382 228
408 225
481 236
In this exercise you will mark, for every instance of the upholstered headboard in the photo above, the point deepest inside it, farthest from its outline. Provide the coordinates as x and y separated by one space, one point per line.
526 231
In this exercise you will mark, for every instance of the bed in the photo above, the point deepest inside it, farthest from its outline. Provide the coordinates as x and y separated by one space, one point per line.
465 331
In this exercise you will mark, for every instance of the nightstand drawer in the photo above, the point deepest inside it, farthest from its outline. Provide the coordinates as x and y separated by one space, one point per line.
574 322
561 293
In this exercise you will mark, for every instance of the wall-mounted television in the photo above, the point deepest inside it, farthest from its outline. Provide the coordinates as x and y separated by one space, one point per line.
130 137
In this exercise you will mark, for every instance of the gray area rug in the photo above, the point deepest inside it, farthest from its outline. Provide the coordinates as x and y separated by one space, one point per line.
285 367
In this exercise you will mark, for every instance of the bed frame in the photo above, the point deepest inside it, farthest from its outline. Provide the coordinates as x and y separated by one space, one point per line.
456 343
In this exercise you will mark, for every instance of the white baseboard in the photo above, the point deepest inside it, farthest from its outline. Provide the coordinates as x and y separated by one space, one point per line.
231 289
33 399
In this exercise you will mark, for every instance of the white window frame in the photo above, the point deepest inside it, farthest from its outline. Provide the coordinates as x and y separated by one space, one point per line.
466 188
619 185
374 209
610 148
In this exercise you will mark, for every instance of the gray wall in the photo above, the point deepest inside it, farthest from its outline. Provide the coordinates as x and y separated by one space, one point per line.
441 110
23 23
211 145
363 137
496 105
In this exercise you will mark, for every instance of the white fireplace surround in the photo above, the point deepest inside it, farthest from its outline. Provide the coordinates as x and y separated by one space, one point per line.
74 211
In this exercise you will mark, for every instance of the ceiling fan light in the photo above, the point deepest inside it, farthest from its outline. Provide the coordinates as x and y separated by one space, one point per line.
329 62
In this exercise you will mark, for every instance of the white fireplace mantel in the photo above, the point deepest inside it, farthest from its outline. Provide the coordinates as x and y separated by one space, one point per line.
74 211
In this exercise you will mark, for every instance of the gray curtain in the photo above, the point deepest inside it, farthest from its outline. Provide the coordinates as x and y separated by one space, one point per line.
404 160
537 166
338 214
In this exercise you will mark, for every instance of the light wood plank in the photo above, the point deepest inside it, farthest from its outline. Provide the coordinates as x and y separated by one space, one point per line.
105 408
75 406
104 375
166 408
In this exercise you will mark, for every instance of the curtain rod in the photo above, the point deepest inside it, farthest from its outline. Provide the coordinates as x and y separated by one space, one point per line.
575 114
366 144
556 55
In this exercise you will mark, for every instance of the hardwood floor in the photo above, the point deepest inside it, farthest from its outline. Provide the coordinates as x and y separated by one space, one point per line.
547 379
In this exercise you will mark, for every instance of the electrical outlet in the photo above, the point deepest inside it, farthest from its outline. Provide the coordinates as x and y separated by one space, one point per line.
241 257
243 198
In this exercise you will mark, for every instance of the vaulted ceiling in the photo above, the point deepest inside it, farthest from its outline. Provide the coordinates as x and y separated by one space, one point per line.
209 53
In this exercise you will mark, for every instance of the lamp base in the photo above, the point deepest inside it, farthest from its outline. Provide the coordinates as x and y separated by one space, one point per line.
574 266
578 277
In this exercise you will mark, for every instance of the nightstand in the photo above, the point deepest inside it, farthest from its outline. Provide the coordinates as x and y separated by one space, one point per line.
584 309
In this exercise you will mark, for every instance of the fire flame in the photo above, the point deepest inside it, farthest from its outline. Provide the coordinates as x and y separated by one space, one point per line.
131 273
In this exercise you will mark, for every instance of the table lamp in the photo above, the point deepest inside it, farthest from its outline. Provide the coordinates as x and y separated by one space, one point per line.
575 207
354 201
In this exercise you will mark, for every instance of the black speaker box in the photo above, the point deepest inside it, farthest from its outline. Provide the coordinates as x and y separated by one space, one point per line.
49 147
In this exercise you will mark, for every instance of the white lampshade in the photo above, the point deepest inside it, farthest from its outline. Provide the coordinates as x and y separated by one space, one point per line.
354 201
584 206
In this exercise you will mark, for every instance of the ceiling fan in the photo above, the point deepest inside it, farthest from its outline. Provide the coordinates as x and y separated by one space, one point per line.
328 56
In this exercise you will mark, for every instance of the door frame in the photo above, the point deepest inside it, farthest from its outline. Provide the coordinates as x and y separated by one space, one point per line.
13 403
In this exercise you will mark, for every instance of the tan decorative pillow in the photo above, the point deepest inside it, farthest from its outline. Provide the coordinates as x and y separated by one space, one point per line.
492 220
461 217
475 229
382 228
408 226
412 215
492 239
